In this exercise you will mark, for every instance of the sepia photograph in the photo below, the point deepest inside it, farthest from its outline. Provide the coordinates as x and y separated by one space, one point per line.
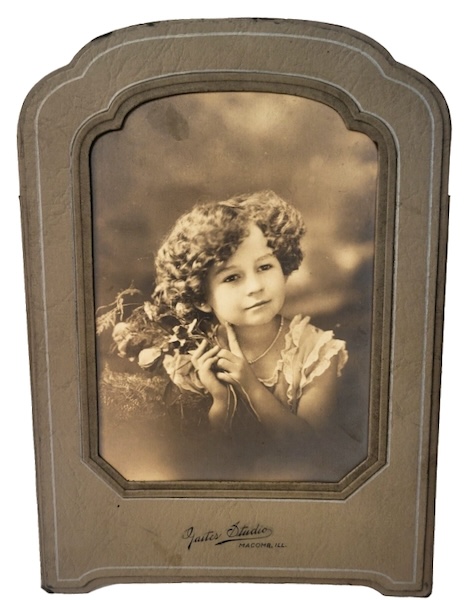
233 248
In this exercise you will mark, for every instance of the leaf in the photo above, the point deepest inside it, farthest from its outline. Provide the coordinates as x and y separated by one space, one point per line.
109 318
106 321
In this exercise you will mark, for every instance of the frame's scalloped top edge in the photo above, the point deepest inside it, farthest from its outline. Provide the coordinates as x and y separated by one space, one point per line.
235 26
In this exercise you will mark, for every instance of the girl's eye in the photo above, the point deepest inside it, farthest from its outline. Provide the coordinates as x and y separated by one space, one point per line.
230 278
265 267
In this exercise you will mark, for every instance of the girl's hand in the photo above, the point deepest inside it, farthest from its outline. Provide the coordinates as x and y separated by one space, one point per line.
232 364
204 363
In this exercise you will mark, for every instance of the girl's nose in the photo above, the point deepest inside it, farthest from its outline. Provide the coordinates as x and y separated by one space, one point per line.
254 284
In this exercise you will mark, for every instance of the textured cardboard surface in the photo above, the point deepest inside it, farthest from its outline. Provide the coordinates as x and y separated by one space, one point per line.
118 537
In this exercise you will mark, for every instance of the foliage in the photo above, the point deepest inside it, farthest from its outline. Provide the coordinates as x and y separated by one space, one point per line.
126 395
152 330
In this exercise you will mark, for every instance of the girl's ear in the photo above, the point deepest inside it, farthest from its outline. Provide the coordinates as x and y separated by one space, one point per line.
204 307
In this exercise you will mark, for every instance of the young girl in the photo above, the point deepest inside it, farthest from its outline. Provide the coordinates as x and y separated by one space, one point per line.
230 261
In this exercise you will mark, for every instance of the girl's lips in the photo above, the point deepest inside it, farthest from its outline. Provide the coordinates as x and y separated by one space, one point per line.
258 304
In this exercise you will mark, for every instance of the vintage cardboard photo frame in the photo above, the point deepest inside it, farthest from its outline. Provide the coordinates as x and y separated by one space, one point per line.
131 528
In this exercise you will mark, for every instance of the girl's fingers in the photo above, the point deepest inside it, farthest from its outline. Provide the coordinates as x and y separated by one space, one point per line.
198 355
226 377
208 363
232 340
225 363
211 352
199 350
206 359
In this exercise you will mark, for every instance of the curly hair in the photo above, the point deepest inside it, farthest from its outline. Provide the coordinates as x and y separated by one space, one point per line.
209 234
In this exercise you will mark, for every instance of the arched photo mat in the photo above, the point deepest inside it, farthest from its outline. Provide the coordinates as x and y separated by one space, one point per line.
376 402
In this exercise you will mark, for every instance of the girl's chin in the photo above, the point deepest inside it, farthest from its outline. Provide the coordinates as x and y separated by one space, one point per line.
255 321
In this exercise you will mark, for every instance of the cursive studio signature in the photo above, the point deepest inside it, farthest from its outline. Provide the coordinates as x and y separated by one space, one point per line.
244 534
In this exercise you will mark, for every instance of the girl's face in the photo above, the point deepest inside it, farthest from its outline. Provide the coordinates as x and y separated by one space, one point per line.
248 289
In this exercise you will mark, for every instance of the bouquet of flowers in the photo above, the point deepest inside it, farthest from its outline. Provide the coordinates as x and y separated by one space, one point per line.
152 330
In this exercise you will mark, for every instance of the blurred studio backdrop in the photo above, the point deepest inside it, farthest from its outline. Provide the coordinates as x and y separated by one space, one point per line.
173 152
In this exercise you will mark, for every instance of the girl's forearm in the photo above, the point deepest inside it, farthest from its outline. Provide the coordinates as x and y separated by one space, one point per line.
274 416
218 413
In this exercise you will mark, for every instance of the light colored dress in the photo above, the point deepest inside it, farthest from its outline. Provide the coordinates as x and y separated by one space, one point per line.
306 355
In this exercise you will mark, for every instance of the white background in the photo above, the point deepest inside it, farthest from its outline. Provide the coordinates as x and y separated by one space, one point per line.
39 37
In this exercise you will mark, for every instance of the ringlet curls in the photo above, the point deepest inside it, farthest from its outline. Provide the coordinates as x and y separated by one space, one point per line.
209 234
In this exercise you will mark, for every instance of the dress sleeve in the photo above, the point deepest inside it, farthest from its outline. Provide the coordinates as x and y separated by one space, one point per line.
308 355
